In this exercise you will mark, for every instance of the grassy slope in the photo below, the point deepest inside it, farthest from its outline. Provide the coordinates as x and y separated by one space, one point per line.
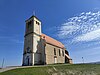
85 69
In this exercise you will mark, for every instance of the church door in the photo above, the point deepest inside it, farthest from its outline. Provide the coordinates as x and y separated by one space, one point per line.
28 61
55 60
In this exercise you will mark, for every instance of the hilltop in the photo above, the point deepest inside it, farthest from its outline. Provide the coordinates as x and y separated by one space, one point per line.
59 69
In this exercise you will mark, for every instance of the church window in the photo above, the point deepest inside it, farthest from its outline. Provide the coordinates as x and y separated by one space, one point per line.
59 53
28 49
54 51
62 53
37 23
29 24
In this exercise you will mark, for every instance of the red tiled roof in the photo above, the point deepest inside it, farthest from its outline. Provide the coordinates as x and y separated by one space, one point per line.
52 41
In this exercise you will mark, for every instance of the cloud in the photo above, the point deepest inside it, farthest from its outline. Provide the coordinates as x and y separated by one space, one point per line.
93 35
83 27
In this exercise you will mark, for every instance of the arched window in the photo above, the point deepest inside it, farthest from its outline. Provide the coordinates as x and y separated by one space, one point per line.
28 49
59 53
54 51
29 24
62 53
37 23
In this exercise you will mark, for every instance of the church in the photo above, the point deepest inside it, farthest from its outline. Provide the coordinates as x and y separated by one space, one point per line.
40 49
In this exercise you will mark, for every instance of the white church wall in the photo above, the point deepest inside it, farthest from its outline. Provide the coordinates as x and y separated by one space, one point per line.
36 50
37 27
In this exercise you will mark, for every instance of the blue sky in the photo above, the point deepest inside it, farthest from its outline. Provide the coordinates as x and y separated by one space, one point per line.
73 22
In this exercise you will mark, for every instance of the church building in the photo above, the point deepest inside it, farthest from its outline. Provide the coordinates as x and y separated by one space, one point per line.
41 49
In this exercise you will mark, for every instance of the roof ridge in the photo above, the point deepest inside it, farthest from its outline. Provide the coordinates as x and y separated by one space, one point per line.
52 41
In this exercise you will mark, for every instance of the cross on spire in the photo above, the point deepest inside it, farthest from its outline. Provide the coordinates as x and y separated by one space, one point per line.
34 13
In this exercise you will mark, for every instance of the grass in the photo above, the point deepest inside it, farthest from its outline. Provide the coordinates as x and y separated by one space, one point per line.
60 69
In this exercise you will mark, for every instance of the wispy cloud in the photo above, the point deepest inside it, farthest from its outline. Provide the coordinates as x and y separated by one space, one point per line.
93 35
83 27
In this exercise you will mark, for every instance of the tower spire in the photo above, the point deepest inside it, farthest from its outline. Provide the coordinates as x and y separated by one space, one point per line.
34 13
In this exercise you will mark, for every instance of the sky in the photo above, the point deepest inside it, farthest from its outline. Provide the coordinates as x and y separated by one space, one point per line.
76 23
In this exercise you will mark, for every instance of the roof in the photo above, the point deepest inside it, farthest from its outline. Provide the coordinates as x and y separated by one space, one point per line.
32 17
67 56
52 41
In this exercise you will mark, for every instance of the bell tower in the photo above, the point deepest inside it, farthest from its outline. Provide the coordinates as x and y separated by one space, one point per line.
31 53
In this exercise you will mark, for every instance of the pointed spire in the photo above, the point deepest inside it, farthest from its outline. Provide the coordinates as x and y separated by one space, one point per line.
34 13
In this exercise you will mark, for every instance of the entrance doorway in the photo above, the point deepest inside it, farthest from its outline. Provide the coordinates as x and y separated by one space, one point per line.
28 61
55 60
